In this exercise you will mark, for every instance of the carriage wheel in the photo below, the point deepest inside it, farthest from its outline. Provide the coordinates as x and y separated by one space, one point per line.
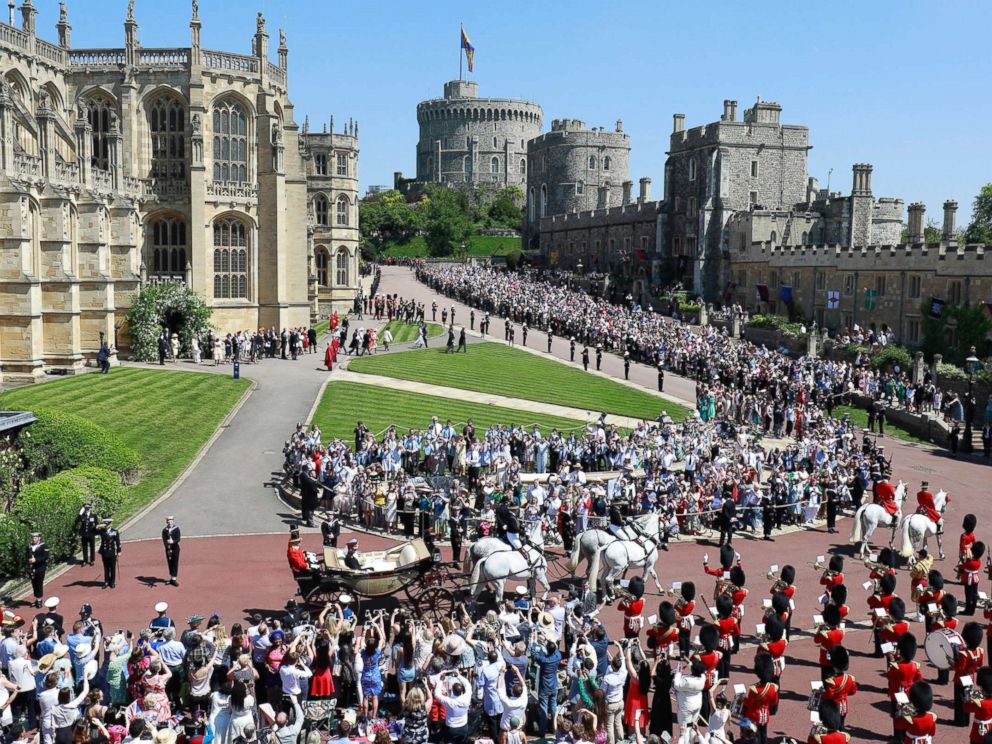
321 595
435 603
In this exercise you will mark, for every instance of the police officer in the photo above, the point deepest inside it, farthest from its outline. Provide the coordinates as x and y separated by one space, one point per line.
110 549
37 564
170 539
626 365
86 529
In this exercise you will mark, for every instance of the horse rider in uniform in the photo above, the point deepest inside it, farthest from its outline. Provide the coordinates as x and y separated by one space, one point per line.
885 496
927 507
508 526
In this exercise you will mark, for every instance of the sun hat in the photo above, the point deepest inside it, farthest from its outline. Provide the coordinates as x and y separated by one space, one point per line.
453 645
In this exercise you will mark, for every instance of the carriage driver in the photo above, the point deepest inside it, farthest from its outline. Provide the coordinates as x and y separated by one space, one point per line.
927 507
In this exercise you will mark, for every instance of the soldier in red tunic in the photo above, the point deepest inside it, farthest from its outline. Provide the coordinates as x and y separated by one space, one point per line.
774 644
880 601
709 639
919 722
969 660
828 636
685 606
970 570
840 685
761 701
981 706
945 618
967 536
633 608
729 632
663 636
902 673
828 730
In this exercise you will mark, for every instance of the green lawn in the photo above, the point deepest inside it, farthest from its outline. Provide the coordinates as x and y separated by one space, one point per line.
165 416
322 327
403 331
345 403
494 368
478 245
859 419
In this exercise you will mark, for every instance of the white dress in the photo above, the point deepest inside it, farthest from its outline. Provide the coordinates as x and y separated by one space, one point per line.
220 717
196 350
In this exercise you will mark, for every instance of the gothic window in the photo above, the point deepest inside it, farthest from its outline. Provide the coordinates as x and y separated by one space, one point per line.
322 266
494 165
430 166
468 164
100 112
320 163
342 164
580 187
341 267
592 162
168 245
805 237
320 210
230 259
230 126
167 125
544 199
606 163
342 210
495 143
773 238
523 166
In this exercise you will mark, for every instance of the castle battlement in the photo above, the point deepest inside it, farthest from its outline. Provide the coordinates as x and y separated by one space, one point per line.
945 251
576 220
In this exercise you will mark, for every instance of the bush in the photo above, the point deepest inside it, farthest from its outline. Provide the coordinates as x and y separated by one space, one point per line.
777 323
890 357
58 441
947 371
50 507
159 306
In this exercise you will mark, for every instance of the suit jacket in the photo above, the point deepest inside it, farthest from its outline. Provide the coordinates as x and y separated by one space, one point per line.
110 543
309 491
175 534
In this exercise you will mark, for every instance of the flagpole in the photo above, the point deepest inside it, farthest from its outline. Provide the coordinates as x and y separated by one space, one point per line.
460 30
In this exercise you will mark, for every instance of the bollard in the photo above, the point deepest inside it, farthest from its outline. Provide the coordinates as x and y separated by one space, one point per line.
237 370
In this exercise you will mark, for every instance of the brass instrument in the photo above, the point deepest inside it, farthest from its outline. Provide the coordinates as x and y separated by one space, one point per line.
817 729
737 705
816 692
906 710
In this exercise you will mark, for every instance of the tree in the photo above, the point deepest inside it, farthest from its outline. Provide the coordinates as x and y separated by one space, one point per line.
980 228
446 222
387 218
504 212
932 232
172 307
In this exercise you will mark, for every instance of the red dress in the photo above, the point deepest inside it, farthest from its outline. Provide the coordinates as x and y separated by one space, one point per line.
636 704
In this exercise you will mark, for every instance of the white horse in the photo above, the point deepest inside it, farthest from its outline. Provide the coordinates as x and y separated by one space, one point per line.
496 568
869 517
592 539
486 546
620 555
917 528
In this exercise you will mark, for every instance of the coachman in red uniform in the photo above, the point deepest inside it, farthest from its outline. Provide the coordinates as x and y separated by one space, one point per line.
885 495
981 706
926 506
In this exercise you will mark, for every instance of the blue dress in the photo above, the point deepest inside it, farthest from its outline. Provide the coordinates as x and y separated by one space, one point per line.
371 674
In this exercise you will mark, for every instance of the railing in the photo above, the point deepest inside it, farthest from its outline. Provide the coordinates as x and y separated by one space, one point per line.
96 57
165 187
226 61
163 57
155 279
51 52
12 37
27 165
133 186
232 189
102 179
67 173
277 75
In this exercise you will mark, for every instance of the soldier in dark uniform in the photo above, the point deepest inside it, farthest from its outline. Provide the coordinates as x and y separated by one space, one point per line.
661 377
571 349
330 529
110 548
626 365
457 529
170 539
599 357
585 358
471 320
37 564
86 529
163 349
551 338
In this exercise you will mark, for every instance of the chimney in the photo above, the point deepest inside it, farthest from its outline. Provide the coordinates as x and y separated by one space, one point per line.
915 231
628 187
950 215
645 193
862 179
729 110
733 111
603 200
678 123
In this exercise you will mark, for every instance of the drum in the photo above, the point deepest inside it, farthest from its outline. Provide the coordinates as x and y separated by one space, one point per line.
942 647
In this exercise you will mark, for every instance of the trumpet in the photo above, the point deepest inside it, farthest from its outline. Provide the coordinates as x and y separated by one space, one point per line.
906 710
779 585
817 729
974 693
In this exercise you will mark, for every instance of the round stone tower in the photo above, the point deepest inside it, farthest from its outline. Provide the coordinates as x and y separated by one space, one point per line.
574 169
467 140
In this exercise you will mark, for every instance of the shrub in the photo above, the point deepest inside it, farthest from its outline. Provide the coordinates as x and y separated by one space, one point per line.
891 356
50 507
947 371
170 305
58 441
777 323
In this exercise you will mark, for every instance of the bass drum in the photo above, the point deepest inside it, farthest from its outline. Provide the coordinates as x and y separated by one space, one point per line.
942 647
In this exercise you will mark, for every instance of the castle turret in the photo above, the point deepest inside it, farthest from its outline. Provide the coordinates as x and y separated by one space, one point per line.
950 216
915 231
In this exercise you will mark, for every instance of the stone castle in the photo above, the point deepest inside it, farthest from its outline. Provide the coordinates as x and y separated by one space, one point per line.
125 166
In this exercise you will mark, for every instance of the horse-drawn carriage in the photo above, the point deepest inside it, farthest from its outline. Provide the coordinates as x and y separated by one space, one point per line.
408 568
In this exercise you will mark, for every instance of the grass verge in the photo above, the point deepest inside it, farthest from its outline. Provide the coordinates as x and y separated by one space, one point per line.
345 403
494 368
859 420
164 415
404 332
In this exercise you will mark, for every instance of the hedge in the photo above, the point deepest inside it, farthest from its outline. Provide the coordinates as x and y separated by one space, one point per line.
890 356
50 507
58 441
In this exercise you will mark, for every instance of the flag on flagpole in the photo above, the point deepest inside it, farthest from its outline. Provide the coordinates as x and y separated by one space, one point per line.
936 308
785 293
871 298
833 299
469 49
762 292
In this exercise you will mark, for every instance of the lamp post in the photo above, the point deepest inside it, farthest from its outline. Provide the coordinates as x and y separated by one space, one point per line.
972 364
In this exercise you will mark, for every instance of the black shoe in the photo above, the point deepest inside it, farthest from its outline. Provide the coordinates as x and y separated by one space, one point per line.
104 586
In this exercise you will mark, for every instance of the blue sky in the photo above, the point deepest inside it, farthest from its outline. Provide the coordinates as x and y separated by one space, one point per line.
904 86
